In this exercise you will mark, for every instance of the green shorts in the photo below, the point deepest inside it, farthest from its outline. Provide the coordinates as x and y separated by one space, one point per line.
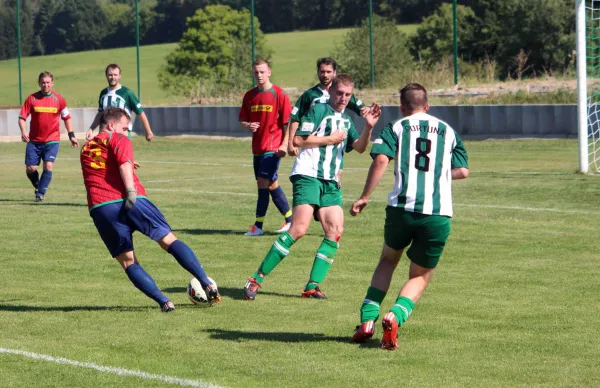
426 235
315 191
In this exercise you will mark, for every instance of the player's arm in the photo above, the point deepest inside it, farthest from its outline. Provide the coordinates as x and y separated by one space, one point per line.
90 132
146 124
376 171
69 127
136 106
357 106
25 110
460 161
371 118
291 133
285 111
126 171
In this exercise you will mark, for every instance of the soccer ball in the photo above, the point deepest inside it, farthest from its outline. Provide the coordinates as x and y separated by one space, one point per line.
196 293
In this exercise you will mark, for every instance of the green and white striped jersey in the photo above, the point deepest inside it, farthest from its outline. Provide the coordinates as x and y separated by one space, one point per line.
425 149
317 95
123 98
324 162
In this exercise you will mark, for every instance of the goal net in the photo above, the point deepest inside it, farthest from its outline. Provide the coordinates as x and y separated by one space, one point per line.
588 84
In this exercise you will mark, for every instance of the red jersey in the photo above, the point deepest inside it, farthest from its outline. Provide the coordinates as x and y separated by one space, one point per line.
271 108
100 159
45 111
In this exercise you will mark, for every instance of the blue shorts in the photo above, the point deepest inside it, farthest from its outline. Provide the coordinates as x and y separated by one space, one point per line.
44 151
116 225
266 166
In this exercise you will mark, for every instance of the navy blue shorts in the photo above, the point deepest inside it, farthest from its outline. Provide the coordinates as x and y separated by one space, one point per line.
44 151
266 166
116 225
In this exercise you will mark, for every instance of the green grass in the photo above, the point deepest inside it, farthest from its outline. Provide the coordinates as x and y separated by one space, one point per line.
513 303
80 76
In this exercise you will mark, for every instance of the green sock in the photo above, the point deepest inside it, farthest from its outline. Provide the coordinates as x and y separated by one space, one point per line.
370 307
279 250
402 309
322 263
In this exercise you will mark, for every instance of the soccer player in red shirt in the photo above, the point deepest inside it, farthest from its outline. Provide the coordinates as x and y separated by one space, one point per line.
265 112
43 139
119 206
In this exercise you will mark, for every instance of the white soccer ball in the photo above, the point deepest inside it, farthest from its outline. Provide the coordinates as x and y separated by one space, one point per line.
196 293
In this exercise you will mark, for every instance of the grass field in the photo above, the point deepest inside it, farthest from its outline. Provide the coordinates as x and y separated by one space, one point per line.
514 303
80 76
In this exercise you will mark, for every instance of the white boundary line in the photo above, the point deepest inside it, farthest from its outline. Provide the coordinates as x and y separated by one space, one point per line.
110 369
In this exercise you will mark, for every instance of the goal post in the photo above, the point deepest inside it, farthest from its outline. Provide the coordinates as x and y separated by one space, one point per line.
582 117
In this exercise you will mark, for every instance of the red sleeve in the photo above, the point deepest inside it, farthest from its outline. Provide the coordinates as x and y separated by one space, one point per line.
122 149
25 109
62 106
285 109
244 111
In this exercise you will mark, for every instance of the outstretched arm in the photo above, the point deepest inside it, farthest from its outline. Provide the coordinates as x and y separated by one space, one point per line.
312 141
371 117
376 171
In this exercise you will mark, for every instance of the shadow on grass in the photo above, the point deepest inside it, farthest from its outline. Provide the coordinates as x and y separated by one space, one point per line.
68 309
219 231
237 335
31 203
231 292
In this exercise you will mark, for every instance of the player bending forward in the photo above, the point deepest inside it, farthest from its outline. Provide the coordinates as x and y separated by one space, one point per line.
428 154
118 205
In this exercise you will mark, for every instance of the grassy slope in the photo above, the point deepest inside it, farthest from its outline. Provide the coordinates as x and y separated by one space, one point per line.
79 76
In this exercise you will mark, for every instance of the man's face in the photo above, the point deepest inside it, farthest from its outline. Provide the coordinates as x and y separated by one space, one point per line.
340 96
120 126
262 73
113 76
46 85
326 74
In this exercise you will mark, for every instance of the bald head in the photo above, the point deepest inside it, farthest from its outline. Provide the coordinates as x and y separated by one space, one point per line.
413 97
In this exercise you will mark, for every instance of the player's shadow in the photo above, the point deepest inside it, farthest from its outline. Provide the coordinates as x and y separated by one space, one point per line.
69 309
227 232
231 292
238 336
31 203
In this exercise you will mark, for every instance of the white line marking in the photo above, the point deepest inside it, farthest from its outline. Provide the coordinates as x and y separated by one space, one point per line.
110 369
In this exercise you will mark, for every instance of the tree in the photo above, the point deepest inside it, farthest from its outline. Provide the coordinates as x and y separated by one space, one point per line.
213 55
392 59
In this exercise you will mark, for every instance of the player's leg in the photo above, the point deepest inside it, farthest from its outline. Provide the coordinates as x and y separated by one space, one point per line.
189 261
430 235
49 154
149 220
33 156
331 216
114 230
262 201
271 164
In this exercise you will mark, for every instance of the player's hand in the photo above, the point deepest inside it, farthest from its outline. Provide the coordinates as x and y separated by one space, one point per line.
89 135
24 137
282 151
292 151
254 126
364 110
358 206
338 136
373 115
131 198
136 165
74 143
149 135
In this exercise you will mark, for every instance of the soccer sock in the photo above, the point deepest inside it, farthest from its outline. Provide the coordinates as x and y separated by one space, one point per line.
322 263
188 260
44 182
34 177
370 307
402 309
279 250
279 199
262 204
143 282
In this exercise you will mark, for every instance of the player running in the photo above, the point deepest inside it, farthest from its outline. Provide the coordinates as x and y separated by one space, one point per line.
118 205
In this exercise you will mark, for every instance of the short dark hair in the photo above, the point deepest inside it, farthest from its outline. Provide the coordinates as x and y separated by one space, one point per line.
326 61
342 79
112 66
261 61
413 96
112 113
45 74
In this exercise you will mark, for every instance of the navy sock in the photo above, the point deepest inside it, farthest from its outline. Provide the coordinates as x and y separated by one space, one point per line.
188 260
143 282
34 177
262 204
282 204
44 182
